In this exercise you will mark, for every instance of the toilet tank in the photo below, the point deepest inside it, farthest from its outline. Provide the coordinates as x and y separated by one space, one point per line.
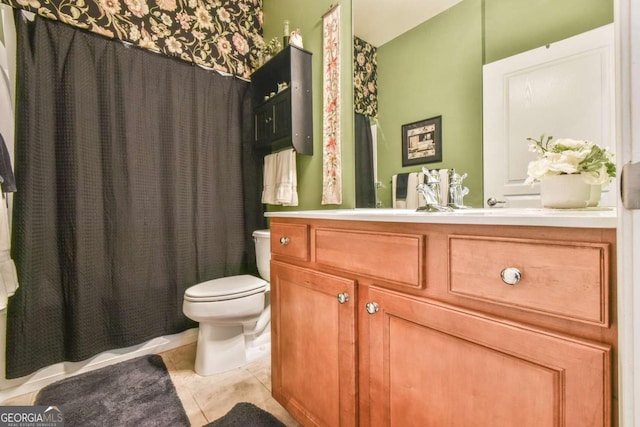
261 238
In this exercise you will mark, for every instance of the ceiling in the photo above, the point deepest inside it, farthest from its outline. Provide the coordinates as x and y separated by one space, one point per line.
378 21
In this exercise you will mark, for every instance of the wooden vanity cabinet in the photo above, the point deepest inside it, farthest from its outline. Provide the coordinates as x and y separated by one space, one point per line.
417 345
438 365
313 345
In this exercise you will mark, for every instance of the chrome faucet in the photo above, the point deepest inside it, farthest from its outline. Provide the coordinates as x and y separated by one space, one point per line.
456 191
431 192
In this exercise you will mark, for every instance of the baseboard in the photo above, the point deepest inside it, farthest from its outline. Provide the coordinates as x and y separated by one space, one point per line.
60 371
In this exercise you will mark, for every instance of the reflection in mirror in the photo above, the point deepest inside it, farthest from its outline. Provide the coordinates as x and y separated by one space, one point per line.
365 109
435 69
375 23
380 21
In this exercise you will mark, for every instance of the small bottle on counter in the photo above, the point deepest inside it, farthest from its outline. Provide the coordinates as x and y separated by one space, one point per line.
286 33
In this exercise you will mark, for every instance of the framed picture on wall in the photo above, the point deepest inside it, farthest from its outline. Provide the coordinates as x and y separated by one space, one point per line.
422 141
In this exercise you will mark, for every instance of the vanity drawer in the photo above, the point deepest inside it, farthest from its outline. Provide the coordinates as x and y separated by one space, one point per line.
290 240
394 257
567 280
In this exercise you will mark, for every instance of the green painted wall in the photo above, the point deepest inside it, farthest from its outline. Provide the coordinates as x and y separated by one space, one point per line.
514 26
307 16
436 69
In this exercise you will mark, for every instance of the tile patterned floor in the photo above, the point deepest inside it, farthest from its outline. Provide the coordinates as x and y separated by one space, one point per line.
208 398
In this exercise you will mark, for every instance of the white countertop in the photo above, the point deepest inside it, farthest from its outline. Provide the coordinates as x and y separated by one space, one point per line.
582 218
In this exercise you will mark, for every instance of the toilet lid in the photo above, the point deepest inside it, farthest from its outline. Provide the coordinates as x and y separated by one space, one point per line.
262 233
226 288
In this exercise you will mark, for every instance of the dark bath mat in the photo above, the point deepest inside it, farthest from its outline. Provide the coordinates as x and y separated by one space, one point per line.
137 392
246 415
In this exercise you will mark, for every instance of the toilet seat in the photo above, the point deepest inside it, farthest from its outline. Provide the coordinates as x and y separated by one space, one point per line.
225 288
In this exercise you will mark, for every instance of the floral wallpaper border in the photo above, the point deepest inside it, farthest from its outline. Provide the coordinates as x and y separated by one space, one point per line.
225 35
331 151
365 77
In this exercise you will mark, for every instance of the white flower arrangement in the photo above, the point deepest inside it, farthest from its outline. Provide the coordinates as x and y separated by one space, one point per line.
570 156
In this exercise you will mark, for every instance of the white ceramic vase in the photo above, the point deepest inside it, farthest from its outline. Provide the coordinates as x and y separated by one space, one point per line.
596 194
568 192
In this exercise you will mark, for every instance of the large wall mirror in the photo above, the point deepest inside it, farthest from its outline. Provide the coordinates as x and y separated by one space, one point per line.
429 58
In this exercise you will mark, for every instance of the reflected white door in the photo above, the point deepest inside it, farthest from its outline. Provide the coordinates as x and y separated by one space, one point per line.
564 90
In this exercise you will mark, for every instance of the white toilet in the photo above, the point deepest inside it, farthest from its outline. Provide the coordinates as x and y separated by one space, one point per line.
234 315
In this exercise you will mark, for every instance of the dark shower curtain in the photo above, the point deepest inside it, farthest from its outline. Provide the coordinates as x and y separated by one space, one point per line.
129 168
365 185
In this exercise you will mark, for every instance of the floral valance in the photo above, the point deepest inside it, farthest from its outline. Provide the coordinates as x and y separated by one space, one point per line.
365 79
225 35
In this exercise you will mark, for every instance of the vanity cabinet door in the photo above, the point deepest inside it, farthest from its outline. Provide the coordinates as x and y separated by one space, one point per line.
313 345
432 364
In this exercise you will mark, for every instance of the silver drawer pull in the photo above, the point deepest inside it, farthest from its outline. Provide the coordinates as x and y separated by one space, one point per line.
372 307
284 241
510 275
343 297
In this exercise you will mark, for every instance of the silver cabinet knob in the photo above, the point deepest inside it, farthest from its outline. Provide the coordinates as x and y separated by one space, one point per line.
372 307
343 297
492 201
510 275
284 241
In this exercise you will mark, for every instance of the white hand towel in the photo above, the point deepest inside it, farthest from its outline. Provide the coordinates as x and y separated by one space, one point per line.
412 194
413 199
286 178
395 202
444 186
399 190
269 180
294 181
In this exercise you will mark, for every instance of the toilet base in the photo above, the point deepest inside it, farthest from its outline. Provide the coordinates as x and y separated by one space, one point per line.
258 345
219 349
228 348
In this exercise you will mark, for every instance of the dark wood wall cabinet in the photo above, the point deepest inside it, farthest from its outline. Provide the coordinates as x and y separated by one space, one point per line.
282 102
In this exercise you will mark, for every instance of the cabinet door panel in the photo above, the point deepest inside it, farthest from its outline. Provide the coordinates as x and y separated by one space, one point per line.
263 124
282 117
313 346
435 365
